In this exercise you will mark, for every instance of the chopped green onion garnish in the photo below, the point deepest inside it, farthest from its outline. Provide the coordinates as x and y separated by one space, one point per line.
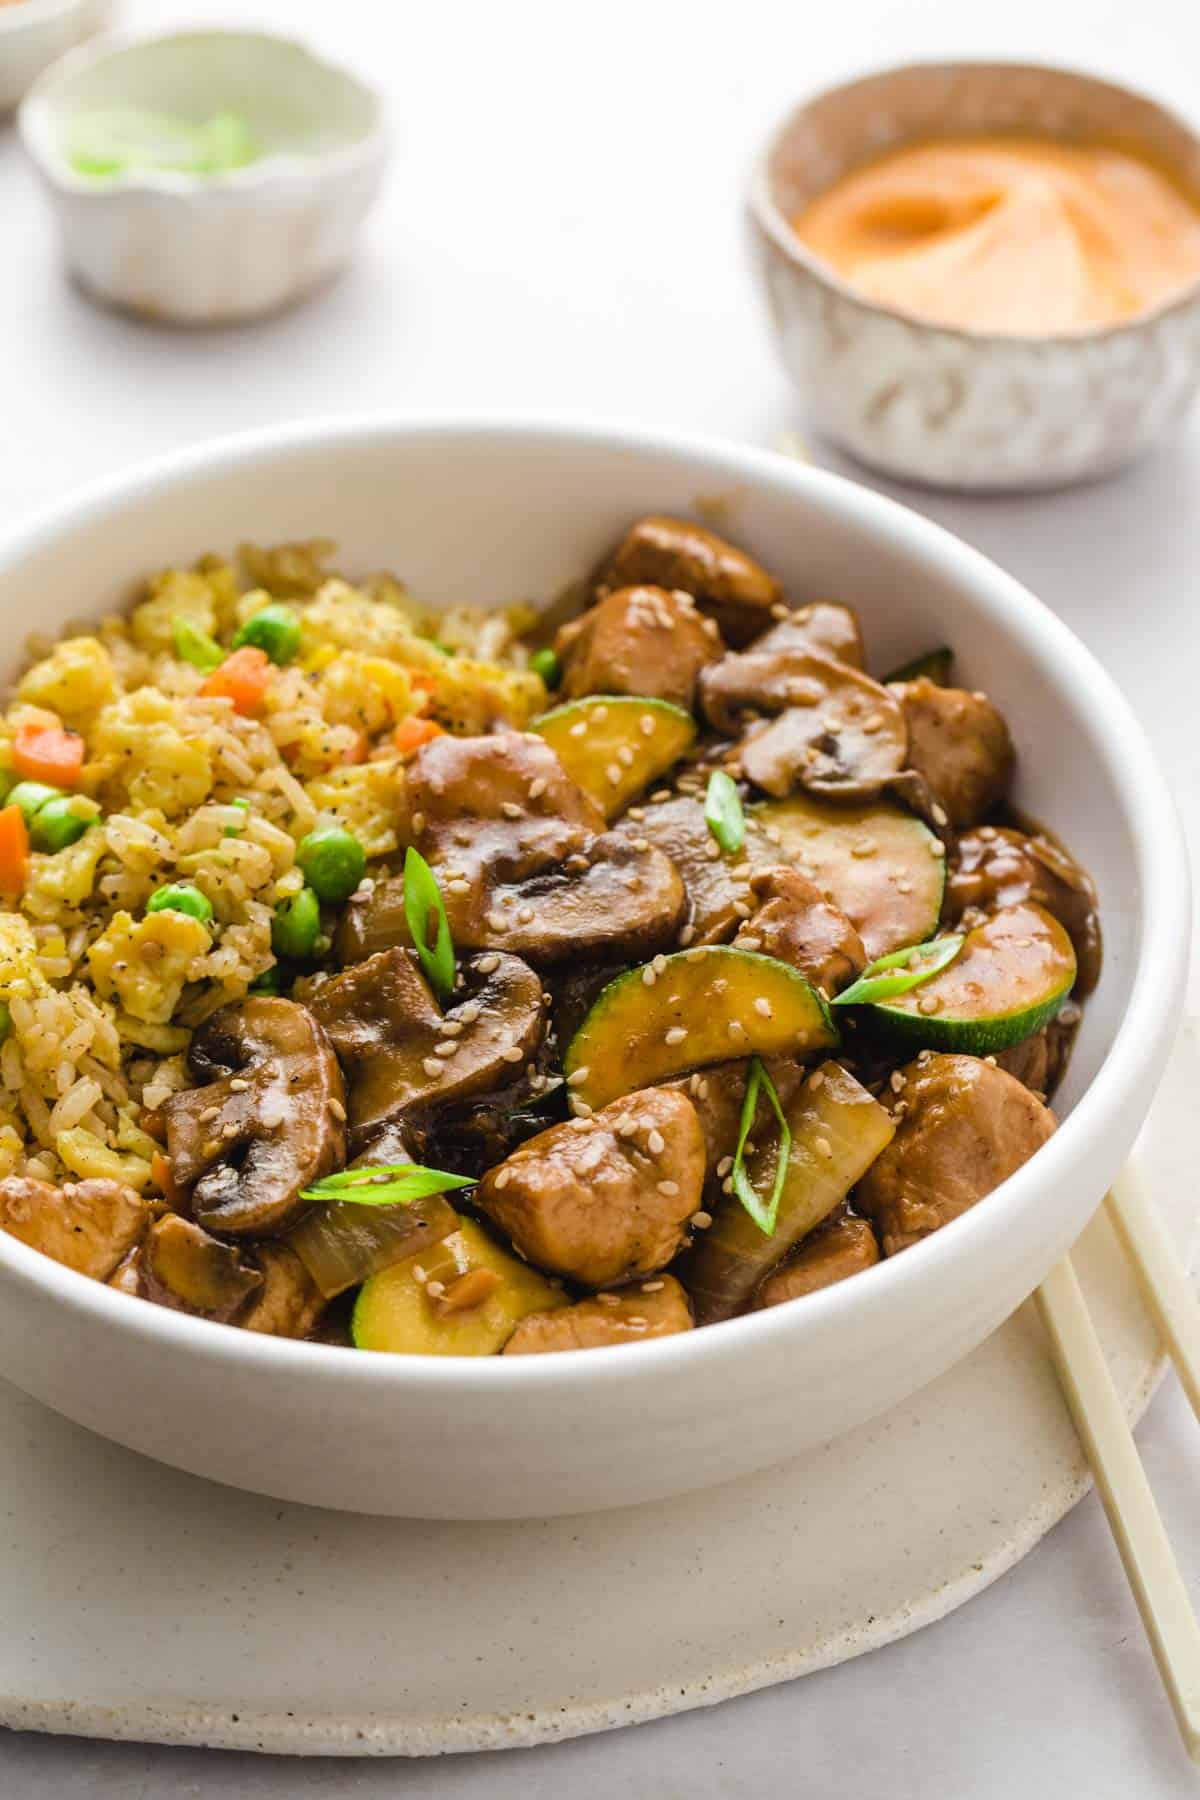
723 811
391 1184
764 1215
426 915
192 645
546 664
875 983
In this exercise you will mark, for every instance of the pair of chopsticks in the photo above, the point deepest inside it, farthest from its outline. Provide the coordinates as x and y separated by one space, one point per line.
1099 1417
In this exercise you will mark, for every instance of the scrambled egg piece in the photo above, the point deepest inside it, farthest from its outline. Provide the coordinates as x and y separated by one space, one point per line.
74 681
367 692
65 878
144 963
473 697
150 759
176 593
343 617
20 976
366 798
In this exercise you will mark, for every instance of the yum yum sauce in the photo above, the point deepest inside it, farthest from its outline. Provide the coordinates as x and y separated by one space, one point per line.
1018 234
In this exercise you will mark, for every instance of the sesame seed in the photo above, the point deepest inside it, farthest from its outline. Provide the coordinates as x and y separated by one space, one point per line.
420 1274
581 1109
658 963
646 725
660 794
897 1081
701 1220
816 1079
727 1185
625 756
612 774
537 788
513 1054
470 1010
653 1287
991 1061
687 934
238 1085
432 1066
210 1112
724 1166
823 1147
641 845
736 1028
656 1143
747 941
599 712
676 1034
713 850
779 610
458 886
579 729
940 815
864 847
904 887
668 1188
577 864
451 1028
337 1109
503 1177
936 847
872 724
702 1090
525 915
609 1299
928 1003
578 1076
418 823
445 1049
648 976
741 910
435 1289
582 1120
496 921
762 1006
773 834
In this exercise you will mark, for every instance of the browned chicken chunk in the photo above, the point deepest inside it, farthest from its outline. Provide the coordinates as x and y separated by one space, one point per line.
87 1225
650 1309
795 923
965 1126
960 744
289 1303
641 640
504 798
673 553
996 867
268 1121
606 1198
833 730
833 1252
400 1049
1040 1062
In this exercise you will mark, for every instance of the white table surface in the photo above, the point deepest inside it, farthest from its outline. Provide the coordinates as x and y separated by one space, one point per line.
561 234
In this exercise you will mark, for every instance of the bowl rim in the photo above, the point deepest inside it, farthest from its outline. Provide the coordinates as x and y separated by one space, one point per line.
33 120
1133 1059
40 12
771 221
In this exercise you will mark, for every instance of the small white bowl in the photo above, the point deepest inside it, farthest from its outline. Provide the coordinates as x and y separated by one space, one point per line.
967 409
206 250
505 512
37 32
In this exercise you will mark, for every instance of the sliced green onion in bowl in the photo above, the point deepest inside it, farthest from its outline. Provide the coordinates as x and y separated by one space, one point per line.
764 1213
388 1184
193 645
723 811
426 915
890 975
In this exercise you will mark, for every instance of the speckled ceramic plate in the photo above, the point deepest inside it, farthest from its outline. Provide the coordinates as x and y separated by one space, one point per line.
141 1603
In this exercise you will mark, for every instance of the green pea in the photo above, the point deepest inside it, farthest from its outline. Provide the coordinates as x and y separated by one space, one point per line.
333 861
547 665
269 982
193 645
297 926
56 824
31 796
181 896
275 629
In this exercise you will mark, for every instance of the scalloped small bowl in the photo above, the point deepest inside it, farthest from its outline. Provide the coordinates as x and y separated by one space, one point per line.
212 249
36 33
978 410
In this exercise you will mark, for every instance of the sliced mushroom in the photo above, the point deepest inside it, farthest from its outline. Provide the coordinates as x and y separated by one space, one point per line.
714 893
651 1309
960 744
834 1251
797 924
835 731
607 1198
400 1050
1040 1062
88 1226
997 867
289 1303
965 1126
179 1265
673 553
641 640
503 799
268 1121
823 626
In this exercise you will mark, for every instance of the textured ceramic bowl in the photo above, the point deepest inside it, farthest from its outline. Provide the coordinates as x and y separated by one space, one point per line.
35 33
966 409
502 513
218 248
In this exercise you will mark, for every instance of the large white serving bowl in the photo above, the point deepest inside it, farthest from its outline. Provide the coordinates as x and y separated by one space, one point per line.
499 512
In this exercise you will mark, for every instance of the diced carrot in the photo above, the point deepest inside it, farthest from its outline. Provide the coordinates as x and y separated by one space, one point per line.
14 852
424 679
48 753
357 753
243 678
163 1178
412 733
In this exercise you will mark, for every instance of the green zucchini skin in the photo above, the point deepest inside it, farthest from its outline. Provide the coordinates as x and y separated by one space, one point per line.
616 756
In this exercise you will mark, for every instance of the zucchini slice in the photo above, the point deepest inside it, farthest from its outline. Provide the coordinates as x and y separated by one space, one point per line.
1009 979
936 665
698 1006
726 1263
880 864
395 1310
614 745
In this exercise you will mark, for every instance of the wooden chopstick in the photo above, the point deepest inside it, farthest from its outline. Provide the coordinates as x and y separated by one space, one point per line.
1165 1288
1099 1417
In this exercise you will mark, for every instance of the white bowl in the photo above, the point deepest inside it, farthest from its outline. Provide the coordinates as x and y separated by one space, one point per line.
498 513
35 33
979 410
207 250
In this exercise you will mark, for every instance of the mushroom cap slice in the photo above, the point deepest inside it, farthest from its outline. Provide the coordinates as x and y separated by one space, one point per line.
505 796
674 553
836 732
179 1265
824 626
268 1121
387 1030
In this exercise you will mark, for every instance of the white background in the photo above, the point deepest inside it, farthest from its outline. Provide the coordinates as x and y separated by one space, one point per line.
561 234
